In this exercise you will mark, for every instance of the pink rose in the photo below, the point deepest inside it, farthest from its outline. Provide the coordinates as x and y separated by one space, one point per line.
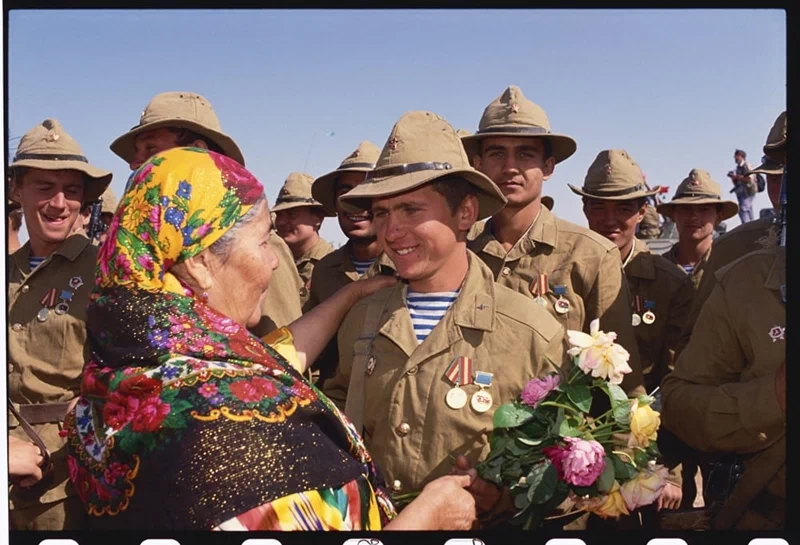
150 415
580 462
538 389
115 412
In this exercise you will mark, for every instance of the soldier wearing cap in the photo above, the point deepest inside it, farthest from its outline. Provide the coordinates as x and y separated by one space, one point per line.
178 118
697 208
749 237
298 218
422 365
14 224
50 279
572 272
355 259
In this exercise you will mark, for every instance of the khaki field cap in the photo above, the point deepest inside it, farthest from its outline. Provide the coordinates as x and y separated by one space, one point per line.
363 159
178 110
768 166
463 132
699 188
49 147
614 176
421 148
296 192
511 114
110 202
775 148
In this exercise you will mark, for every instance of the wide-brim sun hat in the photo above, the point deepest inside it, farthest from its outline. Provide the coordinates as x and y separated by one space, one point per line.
362 160
296 193
699 188
178 110
614 176
421 148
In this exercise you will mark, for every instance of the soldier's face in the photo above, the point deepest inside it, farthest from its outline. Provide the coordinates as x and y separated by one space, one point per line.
51 203
695 221
356 227
517 166
149 143
774 189
615 220
422 236
296 225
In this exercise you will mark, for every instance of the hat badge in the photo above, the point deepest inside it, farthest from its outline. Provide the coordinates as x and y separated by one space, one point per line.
52 137
515 107
354 154
608 170
393 142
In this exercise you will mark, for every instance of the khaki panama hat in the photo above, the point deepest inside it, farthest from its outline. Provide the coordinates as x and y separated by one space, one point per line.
296 192
178 110
548 202
463 132
110 202
511 114
699 188
775 148
48 146
614 176
363 159
421 148
768 166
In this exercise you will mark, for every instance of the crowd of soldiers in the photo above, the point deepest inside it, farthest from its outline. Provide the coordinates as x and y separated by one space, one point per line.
704 324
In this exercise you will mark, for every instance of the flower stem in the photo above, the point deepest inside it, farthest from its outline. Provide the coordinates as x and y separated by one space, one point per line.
628 456
561 405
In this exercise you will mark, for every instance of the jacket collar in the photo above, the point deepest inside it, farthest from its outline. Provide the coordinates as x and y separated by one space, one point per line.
543 230
70 249
776 279
641 265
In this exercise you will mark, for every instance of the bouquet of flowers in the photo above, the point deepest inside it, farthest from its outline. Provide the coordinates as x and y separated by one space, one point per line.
551 453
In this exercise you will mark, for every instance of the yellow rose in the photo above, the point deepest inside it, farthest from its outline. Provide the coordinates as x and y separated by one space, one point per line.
644 425
611 505
645 488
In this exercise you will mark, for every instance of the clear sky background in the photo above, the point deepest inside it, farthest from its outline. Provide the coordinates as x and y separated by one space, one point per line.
677 89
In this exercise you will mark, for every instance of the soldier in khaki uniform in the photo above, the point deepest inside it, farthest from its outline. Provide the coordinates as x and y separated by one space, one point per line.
50 279
356 258
526 246
751 236
422 365
178 118
697 208
298 218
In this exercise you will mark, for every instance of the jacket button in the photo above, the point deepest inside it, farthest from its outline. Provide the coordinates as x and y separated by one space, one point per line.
412 371
403 429
26 288
506 271
17 327
762 436
397 486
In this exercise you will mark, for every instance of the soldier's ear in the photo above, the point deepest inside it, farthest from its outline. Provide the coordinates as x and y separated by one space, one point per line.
549 167
467 212
476 161
199 143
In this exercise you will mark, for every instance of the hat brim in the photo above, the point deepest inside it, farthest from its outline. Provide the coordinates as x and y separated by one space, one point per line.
93 190
615 197
324 188
125 145
289 205
490 199
768 168
728 209
563 146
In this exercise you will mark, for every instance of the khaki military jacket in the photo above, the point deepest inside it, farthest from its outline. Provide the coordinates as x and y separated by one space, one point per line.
407 426
46 358
305 266
281 304
749 237
668 292
333 272
699 268
588 264
721 396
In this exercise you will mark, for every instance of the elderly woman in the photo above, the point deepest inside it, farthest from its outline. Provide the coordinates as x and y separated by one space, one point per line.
186 420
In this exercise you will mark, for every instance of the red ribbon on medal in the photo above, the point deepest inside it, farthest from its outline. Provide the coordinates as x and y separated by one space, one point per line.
539 287
49 299
460 371
638 304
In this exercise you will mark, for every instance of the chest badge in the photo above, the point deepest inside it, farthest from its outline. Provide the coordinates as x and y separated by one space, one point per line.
482 400
371 365
777 333
649 316
459 373
636 317
562 305
539 288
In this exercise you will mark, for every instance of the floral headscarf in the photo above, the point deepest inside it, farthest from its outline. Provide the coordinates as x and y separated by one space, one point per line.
185 419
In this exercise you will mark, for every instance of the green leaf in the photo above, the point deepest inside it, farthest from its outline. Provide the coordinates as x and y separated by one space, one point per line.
623 471
645 400
516 450
128 440
620 404
547 485
529 442
511 415
499 441
152 195
535 429
174 421
605 482
521 499
641 457
556 428
569 428
535 476
580 395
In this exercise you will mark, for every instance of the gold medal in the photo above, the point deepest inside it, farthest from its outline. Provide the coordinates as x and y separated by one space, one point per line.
43 314
481 401
456 398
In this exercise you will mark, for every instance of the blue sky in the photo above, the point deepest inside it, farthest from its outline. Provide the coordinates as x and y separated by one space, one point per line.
677 89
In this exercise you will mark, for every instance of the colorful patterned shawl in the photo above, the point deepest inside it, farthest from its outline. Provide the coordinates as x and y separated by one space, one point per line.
185 419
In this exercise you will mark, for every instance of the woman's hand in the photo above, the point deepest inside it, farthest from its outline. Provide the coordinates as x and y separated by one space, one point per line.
670 497
367 286
24 462
443 504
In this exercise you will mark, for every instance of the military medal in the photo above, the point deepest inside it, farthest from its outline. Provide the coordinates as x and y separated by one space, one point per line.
459 372
75 282
48 301
482 399
777 333
371 365
539 288
649 317
562 305
636 318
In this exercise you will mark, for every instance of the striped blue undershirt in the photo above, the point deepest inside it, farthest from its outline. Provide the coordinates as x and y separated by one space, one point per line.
362 266
427 309
34 262
688 268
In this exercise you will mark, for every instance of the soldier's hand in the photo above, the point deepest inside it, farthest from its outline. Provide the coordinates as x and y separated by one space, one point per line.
780 386
24 462
488 496
670 497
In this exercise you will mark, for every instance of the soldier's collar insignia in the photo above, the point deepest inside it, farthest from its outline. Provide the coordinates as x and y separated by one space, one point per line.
777 333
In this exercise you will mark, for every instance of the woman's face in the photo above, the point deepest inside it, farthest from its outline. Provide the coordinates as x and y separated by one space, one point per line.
241 280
